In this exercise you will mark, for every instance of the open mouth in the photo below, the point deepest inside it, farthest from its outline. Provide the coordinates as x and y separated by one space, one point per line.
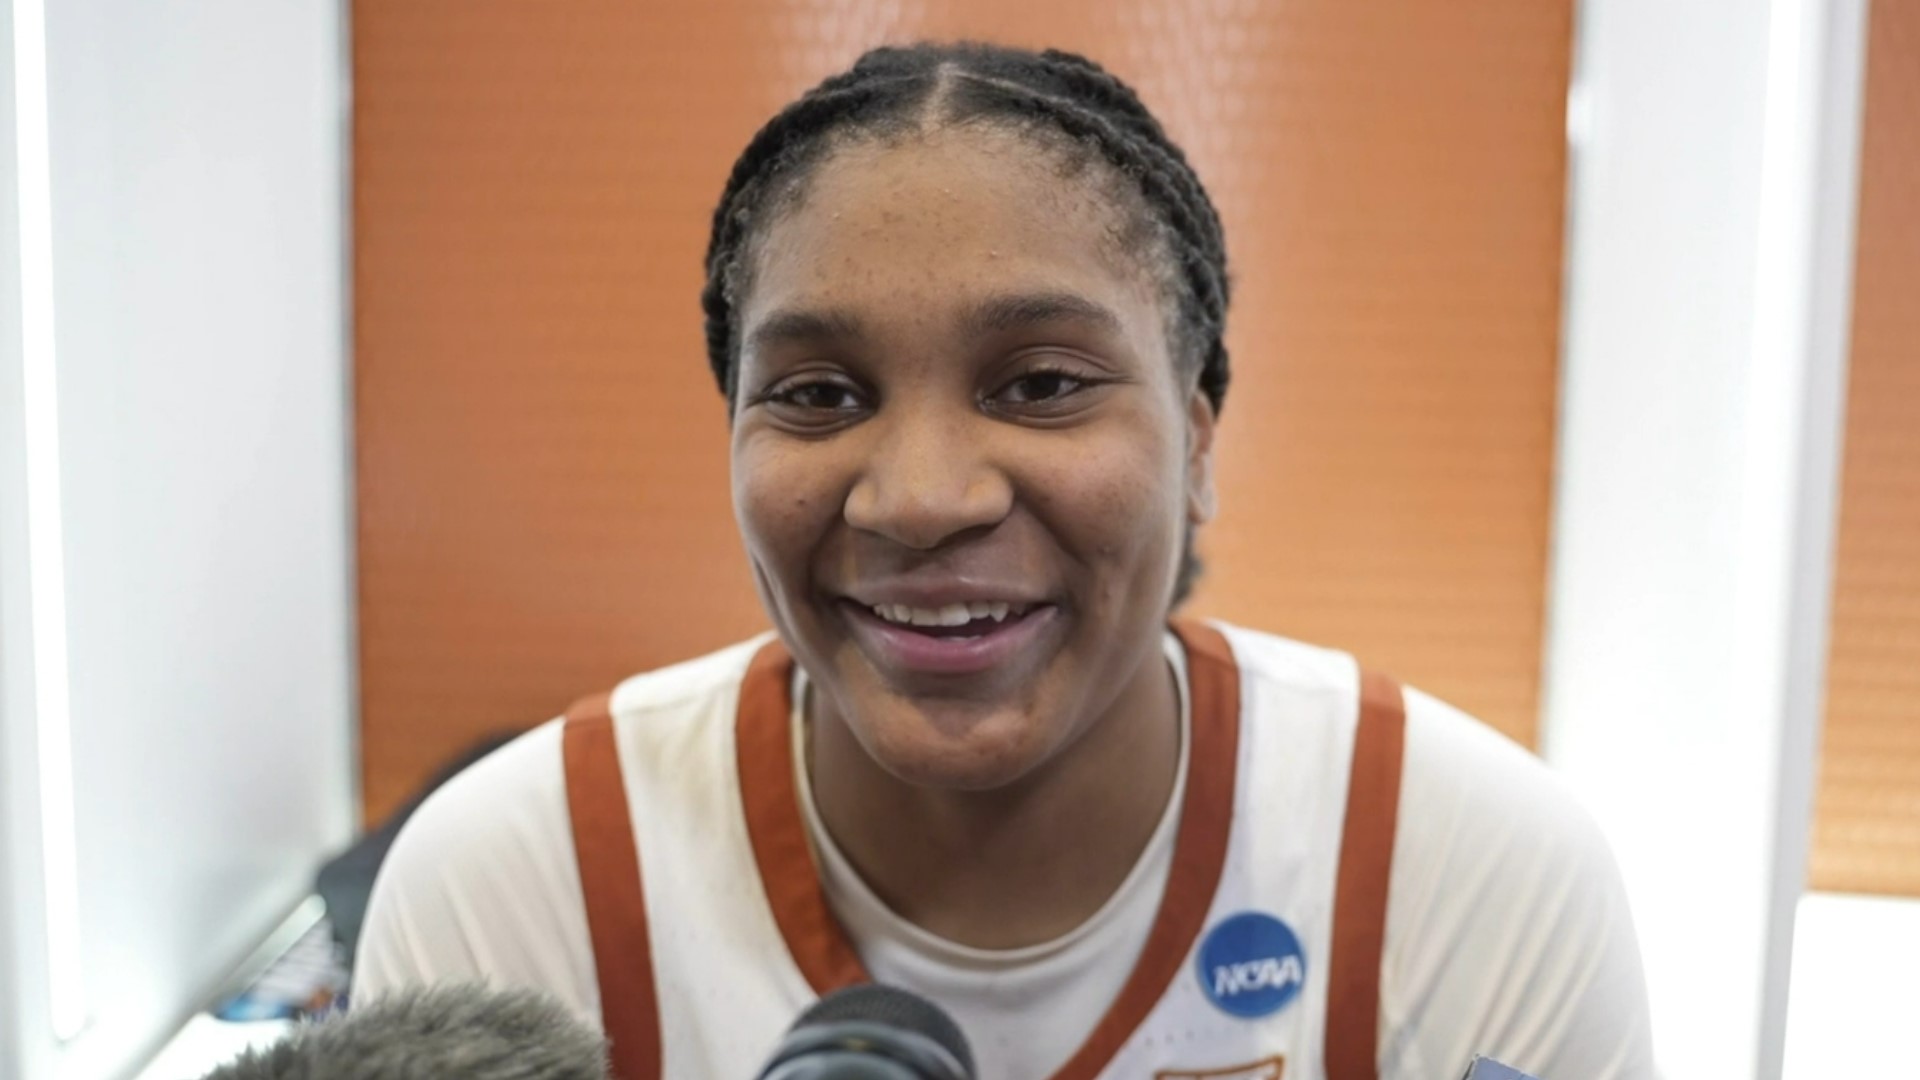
953 620
954 639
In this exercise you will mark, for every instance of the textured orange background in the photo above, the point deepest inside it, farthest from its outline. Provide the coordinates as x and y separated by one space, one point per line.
1867 824
542 456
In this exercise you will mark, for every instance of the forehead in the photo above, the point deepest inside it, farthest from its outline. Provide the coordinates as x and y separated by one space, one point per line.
912 225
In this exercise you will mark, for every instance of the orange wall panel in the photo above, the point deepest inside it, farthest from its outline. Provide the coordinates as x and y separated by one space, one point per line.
541 455
1867 820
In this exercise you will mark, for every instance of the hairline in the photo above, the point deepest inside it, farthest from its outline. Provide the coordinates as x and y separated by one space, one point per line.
788 184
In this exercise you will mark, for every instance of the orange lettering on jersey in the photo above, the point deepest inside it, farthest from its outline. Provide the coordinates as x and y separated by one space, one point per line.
1266 1069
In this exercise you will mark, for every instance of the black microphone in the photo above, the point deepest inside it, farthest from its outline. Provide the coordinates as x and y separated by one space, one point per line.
462 1030
872 1032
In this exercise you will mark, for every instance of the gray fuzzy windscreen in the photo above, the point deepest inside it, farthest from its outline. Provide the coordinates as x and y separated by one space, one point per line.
463 1030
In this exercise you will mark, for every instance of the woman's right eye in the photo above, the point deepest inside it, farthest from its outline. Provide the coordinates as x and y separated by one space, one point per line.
817 397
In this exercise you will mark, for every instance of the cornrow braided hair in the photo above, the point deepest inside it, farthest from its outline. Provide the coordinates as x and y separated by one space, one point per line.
1055 94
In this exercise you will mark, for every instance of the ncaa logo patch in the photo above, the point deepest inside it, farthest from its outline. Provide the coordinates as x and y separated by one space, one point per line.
1251 965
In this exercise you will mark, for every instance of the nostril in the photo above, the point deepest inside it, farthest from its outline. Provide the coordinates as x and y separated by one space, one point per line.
923 505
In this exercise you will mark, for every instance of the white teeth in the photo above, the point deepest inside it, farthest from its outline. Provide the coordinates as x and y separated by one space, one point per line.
951 614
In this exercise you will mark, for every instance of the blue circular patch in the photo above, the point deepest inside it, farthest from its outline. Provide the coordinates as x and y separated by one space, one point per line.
1251 965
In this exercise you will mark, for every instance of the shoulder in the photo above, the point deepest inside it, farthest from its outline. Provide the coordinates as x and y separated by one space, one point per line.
503 810
1508 928
480 883
1461 773
689 686
1481 815
1306 688
1283 662
482 880
1508 931
1458 772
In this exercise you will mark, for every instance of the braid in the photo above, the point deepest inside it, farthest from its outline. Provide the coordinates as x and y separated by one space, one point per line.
1087 79
1169 184
888 88
777 148
1206 241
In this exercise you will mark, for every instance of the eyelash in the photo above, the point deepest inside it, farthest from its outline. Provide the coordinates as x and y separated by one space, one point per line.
788 394
1080 381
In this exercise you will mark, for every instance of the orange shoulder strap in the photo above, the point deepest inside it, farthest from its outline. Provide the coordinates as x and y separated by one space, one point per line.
609 859
1360 891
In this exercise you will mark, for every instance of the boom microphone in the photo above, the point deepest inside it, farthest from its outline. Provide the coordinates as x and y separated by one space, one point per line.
462 1030
872 1032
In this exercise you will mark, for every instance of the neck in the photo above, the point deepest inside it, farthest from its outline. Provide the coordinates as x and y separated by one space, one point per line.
1018 865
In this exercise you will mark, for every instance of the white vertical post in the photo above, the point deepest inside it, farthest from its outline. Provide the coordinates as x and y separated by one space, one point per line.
175 521
40 410
22 976
26 1026
1709 257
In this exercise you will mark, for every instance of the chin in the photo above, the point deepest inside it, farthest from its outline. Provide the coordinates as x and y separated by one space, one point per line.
952 746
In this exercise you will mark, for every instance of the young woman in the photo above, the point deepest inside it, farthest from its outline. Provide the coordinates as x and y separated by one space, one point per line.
966 308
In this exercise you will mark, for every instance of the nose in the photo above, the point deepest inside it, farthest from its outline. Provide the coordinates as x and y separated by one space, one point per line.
928 481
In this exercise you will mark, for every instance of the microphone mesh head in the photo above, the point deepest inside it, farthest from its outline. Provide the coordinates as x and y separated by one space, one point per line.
456 1030
893 1007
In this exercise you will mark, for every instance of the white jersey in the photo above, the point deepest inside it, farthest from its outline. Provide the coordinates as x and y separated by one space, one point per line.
1300 934
1026 1010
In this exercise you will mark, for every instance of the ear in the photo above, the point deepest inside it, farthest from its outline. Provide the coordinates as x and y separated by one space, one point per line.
1200 425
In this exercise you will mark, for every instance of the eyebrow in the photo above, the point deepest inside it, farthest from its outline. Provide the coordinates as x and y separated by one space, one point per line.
1015 311
806 328
994 315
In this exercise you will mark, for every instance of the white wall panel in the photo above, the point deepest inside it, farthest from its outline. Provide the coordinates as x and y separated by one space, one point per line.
197 181
1711 209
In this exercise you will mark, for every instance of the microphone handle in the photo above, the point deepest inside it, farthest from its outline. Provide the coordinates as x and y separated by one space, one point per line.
861 1050
842 1065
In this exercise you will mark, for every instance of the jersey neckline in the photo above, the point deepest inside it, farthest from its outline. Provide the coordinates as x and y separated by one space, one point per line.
1148 873
820 946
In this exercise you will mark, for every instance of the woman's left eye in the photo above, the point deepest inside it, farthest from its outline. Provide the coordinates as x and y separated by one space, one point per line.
1041 387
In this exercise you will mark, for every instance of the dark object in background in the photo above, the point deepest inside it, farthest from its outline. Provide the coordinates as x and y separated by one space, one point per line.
346 881
872 1032
464 1031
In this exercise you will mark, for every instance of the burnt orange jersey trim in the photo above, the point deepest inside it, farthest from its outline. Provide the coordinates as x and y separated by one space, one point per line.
611 886
763 742
820 946
1360 892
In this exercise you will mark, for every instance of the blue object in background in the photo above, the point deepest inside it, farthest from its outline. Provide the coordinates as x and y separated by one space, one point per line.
308 981
1489 1069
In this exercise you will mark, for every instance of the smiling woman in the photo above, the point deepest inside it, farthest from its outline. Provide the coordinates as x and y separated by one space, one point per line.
998 421
966 304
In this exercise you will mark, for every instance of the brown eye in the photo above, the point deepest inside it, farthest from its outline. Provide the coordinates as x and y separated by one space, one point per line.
817 397
1046 391
815 405
1044 386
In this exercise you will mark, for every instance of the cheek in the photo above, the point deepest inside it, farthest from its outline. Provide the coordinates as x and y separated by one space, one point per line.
1118 500
783 502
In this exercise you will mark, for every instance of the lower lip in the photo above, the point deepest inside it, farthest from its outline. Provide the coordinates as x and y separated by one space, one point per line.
903 649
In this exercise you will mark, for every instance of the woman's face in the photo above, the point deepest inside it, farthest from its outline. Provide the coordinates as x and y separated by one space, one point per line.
963 458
